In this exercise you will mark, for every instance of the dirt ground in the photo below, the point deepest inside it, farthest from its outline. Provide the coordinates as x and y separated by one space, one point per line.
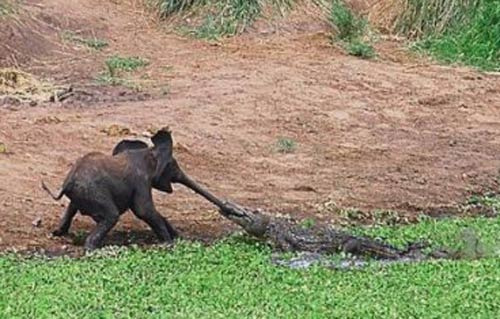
395 133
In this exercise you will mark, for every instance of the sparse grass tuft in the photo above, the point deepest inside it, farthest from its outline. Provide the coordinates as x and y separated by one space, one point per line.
308 223
118 63
115 65
213 20
92 42
349 30
360 49
348 25
286 145
226 18
386 217
95 43
421 18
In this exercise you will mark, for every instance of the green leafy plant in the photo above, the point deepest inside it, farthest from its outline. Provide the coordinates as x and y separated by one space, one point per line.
360 49
485 200
308 223
353 214
286 145
192 280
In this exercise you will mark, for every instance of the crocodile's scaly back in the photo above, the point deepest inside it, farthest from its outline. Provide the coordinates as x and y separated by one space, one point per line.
287 235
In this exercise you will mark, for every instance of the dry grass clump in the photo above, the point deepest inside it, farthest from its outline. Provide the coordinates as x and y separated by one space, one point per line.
418 18
24 86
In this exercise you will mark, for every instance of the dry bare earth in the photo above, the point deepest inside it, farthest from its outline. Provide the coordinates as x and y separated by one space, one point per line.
370 134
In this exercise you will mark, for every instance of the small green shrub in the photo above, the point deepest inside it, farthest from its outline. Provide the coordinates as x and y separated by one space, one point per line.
308 223
349 29
286 145
119 63
360 49
211 29
348 25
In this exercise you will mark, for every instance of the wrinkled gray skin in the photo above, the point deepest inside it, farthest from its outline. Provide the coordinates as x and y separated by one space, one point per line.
104 187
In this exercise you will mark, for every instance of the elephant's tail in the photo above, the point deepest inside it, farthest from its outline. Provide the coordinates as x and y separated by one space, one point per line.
55 197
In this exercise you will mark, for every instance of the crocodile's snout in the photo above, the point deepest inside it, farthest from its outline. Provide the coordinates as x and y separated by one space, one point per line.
252 221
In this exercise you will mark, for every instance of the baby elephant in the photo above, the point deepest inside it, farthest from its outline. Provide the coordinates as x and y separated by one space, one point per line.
105 186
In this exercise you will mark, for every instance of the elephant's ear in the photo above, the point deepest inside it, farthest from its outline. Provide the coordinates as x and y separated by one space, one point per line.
126 145
162 151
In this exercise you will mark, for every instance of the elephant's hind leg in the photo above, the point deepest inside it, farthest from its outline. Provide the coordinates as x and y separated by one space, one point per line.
66 220
108 217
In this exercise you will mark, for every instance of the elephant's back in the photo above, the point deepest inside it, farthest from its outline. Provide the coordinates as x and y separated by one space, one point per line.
97 177
98 168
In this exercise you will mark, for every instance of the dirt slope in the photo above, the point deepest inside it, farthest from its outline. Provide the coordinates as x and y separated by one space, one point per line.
370 134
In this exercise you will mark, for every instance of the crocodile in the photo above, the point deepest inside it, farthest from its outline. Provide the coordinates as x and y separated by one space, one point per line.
290 236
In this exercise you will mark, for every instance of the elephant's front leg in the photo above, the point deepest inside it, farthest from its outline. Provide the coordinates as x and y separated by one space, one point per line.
145 210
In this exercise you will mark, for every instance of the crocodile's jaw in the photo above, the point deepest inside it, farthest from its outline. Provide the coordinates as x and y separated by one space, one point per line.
253 222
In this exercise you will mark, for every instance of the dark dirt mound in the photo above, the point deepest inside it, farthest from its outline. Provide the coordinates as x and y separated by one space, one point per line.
25 35
32 32
21 41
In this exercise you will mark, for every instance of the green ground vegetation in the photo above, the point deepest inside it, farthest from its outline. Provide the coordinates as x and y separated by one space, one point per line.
235 279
